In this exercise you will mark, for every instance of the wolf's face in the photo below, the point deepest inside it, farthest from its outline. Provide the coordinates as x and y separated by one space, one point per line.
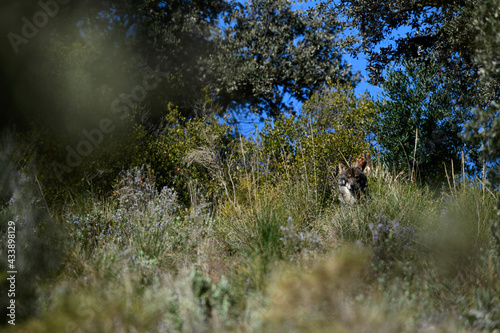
352 182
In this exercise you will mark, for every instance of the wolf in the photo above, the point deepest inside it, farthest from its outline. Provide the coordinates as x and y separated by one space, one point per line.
352 181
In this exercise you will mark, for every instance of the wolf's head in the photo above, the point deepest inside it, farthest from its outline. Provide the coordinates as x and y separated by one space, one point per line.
352 182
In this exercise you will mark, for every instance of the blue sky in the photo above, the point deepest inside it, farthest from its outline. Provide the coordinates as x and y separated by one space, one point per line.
360 65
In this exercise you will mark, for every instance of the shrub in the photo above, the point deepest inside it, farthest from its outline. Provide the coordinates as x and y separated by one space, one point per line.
333 127
188 156
389 241
329 296
96 173
420 121
185 302
138 217
296 241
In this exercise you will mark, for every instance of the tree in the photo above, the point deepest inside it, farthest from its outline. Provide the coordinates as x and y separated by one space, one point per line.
456 37
268 50
173 36
440 31
92 56
420 122
128 36
271 51
485 129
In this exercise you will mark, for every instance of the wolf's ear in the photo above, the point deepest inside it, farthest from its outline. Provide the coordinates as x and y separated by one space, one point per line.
342 167
362 165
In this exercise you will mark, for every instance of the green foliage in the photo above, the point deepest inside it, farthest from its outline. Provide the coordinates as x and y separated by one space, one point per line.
185 302
334 127
90 228
485 128
487 44
420 123
392 198
389 242
203 162
338 113
96 172
439 32
138 217
182 226
75 72
337 130
188 156
212 296
277 257
271 49
486 125
256 235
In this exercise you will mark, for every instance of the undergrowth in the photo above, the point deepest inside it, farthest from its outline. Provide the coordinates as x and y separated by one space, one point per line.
401 261
271 249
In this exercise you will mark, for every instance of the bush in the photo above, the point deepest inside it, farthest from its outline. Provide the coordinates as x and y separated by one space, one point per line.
188 155
389 241
334 127
97 171
138 218
185 302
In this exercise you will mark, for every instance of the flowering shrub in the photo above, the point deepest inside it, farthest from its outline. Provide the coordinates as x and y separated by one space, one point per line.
299 241
89 229
142 217
389 239
139 203
134 189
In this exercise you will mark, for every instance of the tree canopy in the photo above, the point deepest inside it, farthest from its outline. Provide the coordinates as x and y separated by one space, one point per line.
269 50
458 39
485 128
236 57
435 31
421 121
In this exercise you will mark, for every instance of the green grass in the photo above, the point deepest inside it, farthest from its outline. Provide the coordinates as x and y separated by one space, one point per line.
276 260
